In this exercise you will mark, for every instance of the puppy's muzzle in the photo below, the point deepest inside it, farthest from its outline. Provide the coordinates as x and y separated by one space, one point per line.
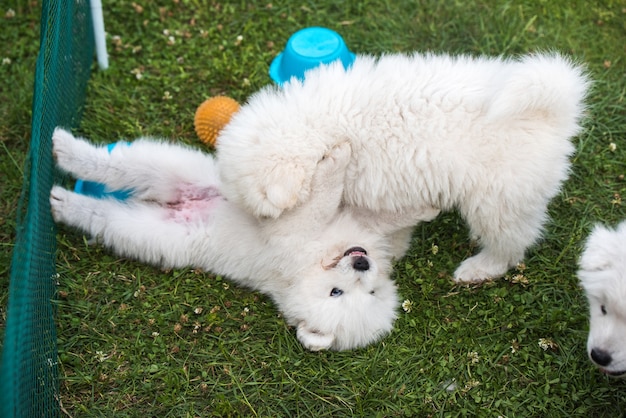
358 258
604 359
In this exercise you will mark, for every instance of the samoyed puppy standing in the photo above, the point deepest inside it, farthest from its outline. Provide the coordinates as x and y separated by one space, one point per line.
327 273
489 137
602 274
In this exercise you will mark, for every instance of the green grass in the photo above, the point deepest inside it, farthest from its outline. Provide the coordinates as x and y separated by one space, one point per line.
137 341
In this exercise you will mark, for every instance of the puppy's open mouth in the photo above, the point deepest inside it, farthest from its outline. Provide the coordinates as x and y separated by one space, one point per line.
352 251
357 251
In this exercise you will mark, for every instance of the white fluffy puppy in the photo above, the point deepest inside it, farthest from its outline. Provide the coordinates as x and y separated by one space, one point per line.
603 276
328 275
489 137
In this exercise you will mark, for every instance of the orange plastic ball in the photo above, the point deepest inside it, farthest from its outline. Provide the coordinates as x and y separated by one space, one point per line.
211 117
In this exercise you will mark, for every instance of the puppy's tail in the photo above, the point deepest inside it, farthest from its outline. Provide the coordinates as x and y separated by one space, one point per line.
546 87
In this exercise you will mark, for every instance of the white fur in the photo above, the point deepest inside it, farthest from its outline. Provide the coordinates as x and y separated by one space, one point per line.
489 137
602 274
176 218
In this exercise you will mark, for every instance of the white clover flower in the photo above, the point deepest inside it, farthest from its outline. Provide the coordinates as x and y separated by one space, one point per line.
138 74
612 147
167 96
473 357
407 305
547 344
198 310
434 249
6 61
10 14
471 385
520 279
617 199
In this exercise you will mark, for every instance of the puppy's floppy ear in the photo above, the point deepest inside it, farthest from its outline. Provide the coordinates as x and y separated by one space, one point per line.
313 339
599 252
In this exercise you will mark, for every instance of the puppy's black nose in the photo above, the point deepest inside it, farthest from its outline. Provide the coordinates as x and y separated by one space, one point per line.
600 357
361 264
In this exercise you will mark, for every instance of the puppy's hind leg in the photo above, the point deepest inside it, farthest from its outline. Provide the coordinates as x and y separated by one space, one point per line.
77 156
161 171
153 169
79 211
131 229
504 236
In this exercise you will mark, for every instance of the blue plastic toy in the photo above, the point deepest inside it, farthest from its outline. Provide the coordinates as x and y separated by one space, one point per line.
306 49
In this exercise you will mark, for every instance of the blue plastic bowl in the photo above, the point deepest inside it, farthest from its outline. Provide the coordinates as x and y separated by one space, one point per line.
99 190
306 49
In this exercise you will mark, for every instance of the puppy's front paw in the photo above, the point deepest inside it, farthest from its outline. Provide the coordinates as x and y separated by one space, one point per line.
312 339
331 169
285 186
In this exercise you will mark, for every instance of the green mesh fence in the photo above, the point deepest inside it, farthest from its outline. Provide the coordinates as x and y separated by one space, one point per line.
29 381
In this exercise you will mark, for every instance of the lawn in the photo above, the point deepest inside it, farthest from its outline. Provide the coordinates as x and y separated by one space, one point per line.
137 341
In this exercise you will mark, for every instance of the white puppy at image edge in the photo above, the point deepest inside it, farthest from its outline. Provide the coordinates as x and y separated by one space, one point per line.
328 275
602 275
489 137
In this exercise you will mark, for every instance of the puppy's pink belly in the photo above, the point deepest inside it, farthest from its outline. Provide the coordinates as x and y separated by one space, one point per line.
193 204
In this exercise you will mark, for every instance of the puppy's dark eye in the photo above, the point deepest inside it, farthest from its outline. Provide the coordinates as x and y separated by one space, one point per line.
336 292
603 309
372 292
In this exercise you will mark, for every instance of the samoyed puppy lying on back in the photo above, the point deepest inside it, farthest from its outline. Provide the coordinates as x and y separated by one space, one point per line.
489 137
327 273
602 274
